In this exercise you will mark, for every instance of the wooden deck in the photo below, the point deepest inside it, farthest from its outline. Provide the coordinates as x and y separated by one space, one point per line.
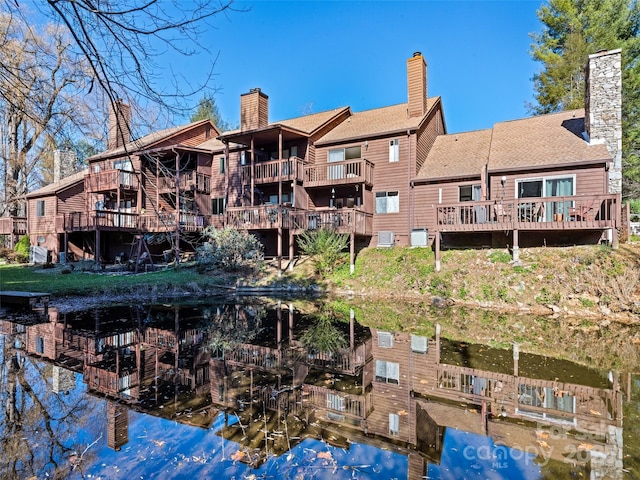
132 222
266 217
13 225
586 212
339 173
113 179
274 171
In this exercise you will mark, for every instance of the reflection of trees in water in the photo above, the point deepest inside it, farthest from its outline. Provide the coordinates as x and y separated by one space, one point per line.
322 334
36 423
231 325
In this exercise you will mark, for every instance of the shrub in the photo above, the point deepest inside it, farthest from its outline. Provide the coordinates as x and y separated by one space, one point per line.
230 249
324 247
22 247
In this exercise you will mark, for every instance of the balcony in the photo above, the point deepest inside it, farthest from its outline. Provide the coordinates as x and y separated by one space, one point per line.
274 171
339 173
109 180
265 217
198 182
585 212
108 220
13 225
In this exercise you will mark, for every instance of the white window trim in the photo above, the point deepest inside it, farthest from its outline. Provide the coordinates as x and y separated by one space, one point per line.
544 185
394 150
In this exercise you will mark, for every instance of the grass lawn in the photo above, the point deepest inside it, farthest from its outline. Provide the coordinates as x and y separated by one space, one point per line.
35 279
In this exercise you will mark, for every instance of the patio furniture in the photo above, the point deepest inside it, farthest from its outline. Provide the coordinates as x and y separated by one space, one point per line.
585 211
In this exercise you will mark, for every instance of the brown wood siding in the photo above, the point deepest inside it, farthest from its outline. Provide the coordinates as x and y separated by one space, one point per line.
433 126
235 182
426 198
71 200
391 177
391 397
589 180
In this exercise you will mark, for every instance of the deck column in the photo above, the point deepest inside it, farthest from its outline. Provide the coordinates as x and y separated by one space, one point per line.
437 243
516 247
352 253
280 244
291 240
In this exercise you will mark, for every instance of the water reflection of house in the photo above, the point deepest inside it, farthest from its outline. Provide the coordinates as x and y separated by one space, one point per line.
415 395
383 388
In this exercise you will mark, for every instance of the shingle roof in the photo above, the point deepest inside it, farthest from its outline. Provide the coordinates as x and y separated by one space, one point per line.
145 141
457 155
306 124
373 122
309 123
59 186
553 139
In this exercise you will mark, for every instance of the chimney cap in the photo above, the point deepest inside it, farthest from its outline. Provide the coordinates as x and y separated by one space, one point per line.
417 54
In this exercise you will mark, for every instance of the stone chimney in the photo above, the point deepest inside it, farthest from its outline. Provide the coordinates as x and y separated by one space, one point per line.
603 108
254 110
119 125
64 164
417 85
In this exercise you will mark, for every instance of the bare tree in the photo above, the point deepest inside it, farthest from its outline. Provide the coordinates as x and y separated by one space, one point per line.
126 43
39 81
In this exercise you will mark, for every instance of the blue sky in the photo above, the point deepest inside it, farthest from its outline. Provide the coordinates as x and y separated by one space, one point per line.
310 56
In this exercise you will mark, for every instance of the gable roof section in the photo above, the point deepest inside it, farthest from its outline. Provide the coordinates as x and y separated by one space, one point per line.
457 155
543 141
54 188
306 126
150 140
378 121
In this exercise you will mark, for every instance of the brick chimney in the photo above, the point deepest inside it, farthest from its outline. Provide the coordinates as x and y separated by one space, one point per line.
417 85
119 125
603 108
254 110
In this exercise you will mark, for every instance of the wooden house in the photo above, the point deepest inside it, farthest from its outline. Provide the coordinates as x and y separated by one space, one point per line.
387 176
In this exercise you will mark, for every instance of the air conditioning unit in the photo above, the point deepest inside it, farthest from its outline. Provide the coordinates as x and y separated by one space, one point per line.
420 237
385 239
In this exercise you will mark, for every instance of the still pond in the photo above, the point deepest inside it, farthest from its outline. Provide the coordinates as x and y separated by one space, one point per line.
269 389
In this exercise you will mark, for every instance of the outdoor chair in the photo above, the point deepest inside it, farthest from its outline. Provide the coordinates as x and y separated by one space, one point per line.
585 212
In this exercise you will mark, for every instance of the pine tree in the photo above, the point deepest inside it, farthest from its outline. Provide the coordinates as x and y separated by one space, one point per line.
573 29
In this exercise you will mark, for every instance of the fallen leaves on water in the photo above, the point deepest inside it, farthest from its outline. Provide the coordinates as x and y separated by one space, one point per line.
325 455
238 456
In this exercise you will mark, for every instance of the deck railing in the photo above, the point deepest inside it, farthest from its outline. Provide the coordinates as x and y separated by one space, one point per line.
111 180
337 402
191 180
13 225
548 213
109 220
528 395
339 173
275 170
343 220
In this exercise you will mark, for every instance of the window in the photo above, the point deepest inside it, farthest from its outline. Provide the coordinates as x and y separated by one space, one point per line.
385 339
388 372
221 164
387 202
349 153
419 344
394 150
546 187
468 193
217 206
124 165
394 424
39 345
40 208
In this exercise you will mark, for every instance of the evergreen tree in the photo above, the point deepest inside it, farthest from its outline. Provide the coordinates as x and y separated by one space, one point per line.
572 29
207 108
